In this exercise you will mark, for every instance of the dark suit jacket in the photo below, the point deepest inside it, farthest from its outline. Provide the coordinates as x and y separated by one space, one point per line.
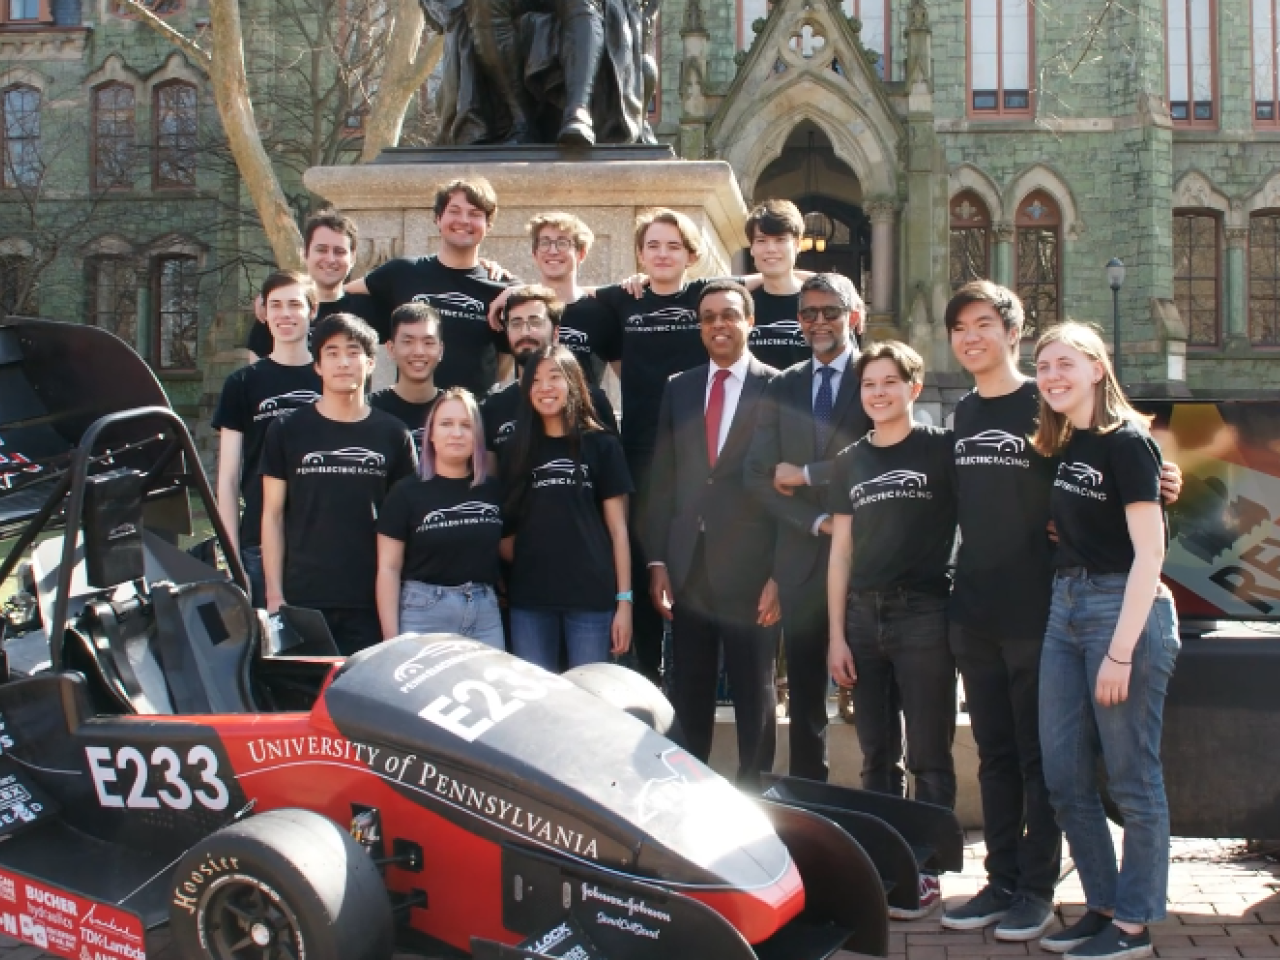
785 435
689 498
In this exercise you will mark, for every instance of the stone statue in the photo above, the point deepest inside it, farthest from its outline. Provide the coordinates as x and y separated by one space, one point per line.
573 72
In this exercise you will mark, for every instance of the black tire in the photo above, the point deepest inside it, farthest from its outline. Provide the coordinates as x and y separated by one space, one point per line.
630 692
279 886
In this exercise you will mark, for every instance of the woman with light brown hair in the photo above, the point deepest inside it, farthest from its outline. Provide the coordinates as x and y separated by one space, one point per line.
1110 646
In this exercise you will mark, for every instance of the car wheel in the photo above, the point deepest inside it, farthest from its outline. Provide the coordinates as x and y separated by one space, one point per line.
280 886
629 692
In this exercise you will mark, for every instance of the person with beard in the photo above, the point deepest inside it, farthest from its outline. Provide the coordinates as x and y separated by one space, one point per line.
329 251
415 348
566 514
531 318
456 283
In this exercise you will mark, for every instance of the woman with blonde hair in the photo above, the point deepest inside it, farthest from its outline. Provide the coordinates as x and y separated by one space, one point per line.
1110 646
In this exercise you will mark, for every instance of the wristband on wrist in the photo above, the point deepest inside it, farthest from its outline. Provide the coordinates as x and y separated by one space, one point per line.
1123 663
626 595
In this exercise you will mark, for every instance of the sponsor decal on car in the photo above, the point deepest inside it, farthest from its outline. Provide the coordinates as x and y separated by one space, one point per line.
13 465
67 924
123 778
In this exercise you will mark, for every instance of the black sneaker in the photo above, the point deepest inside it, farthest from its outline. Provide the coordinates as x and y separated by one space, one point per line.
1028 918
1113 944
990 905
1086 928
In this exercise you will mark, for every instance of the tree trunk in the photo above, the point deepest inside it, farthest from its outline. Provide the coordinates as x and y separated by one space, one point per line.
410 60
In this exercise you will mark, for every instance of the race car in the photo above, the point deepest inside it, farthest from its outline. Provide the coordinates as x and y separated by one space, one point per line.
169 755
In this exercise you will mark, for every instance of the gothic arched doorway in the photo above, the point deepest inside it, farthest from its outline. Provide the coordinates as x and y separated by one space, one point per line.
810 175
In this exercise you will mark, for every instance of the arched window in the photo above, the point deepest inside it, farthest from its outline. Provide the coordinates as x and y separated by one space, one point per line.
1264 278
1038 260
1000 57
1196 256
20 117
175 126
970 239
175 312
113 135
113 295
1191 42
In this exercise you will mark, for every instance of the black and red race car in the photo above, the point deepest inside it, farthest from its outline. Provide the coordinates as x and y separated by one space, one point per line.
170 755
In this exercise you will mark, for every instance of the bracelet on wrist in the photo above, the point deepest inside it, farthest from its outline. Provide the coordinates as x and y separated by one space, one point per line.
1123 663
627 596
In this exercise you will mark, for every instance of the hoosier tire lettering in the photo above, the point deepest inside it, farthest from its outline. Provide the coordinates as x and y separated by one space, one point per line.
187 891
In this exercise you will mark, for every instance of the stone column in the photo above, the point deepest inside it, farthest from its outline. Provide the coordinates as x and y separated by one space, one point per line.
884 253
1002 253
1237 308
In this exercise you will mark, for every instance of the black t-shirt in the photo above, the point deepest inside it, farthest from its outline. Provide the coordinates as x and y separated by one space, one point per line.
1004 568
590 329
660 337
450 529
1099 474
563 551
252 399
359 304
501 407
775 339
412 415
903 502
462 298
337 475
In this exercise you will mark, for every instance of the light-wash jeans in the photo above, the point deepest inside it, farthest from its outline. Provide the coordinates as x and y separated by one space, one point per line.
469 610
535 636
1075 730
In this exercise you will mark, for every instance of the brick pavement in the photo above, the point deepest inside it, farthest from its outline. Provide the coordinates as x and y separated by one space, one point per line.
1223 903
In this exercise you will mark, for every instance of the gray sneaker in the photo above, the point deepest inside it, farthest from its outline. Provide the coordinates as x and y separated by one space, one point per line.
1082 931
990 905
1028 917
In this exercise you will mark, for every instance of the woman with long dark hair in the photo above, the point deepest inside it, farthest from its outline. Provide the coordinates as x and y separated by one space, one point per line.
1110 646
567 485
439 533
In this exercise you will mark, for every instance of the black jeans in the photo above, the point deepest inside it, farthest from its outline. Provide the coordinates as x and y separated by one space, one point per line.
1001 684
900 636
804 634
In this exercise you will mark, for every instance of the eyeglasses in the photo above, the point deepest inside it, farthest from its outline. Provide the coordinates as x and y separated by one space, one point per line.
810 314
562 244
531 325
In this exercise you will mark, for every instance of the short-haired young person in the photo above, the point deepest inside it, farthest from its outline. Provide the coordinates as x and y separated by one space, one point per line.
1110 647
326 470
253 397
894 504
566 509
415 345
774 229
439 532
454 282
531 319
329 252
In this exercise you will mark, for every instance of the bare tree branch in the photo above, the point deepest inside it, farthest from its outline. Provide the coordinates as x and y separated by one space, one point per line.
186 44
409 61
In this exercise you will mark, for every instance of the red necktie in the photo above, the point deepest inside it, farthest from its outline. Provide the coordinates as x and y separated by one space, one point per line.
715 411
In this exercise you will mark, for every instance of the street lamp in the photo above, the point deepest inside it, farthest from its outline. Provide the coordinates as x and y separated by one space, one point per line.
1115 277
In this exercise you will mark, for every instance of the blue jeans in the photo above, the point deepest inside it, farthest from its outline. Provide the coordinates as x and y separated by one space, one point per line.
1075 731
251 558
535 636
470 610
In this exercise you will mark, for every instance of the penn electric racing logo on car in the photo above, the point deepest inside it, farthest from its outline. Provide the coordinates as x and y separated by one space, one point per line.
358 461
12 465
666 320
283 403
992 448
780 333
894 485
457 305
561 473
469 514
1081 480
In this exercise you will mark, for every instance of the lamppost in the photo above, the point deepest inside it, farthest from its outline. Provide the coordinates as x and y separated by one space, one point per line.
1115 277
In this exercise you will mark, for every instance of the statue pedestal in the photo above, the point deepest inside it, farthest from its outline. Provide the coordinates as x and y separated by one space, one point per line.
391 203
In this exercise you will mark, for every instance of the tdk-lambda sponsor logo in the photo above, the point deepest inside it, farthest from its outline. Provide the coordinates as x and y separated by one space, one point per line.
992 448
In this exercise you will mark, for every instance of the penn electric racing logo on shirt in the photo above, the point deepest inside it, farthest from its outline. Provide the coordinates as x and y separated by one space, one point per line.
353 461
283 403
992 448
505 432
561 473
457 305
894 485
468 514
1080 479
780 333
573 339
666 320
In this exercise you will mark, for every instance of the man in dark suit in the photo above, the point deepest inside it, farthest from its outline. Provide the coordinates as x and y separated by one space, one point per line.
710 542
810 413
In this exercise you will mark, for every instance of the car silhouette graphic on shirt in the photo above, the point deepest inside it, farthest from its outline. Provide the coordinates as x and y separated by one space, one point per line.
996 440
904 479
1082 473
562 467
779 328
294 398
568 336
667 316
458 301
358 455
476 509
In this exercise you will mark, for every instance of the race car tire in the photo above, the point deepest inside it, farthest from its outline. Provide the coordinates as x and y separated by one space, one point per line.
287 877
630 692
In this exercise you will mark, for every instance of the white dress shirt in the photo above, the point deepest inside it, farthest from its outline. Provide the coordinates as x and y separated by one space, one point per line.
732 391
